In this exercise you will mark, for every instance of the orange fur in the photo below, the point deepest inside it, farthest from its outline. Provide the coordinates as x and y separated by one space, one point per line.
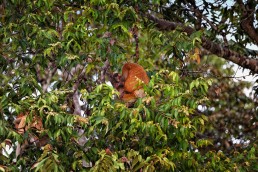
133 77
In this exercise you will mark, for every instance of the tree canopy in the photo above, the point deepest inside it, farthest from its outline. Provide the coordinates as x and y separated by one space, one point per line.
60 112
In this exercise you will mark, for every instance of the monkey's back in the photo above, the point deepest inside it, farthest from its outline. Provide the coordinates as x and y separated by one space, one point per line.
136 75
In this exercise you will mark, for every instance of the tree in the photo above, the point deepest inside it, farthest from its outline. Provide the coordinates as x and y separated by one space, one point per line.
59 111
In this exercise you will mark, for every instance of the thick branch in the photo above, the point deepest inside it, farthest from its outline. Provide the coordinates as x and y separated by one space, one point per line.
76 98
207 44
80 70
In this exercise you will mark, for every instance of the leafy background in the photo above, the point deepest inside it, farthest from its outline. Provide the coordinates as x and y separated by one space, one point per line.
60 113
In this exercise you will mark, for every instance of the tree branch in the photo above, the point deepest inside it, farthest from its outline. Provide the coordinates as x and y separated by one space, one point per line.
247 19
104 71
76 98
80 70
214 48
46 77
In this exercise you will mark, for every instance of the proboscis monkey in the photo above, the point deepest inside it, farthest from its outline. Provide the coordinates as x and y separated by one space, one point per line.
131 82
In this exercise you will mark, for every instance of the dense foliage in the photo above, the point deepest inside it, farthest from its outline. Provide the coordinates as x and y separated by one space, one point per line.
59 112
